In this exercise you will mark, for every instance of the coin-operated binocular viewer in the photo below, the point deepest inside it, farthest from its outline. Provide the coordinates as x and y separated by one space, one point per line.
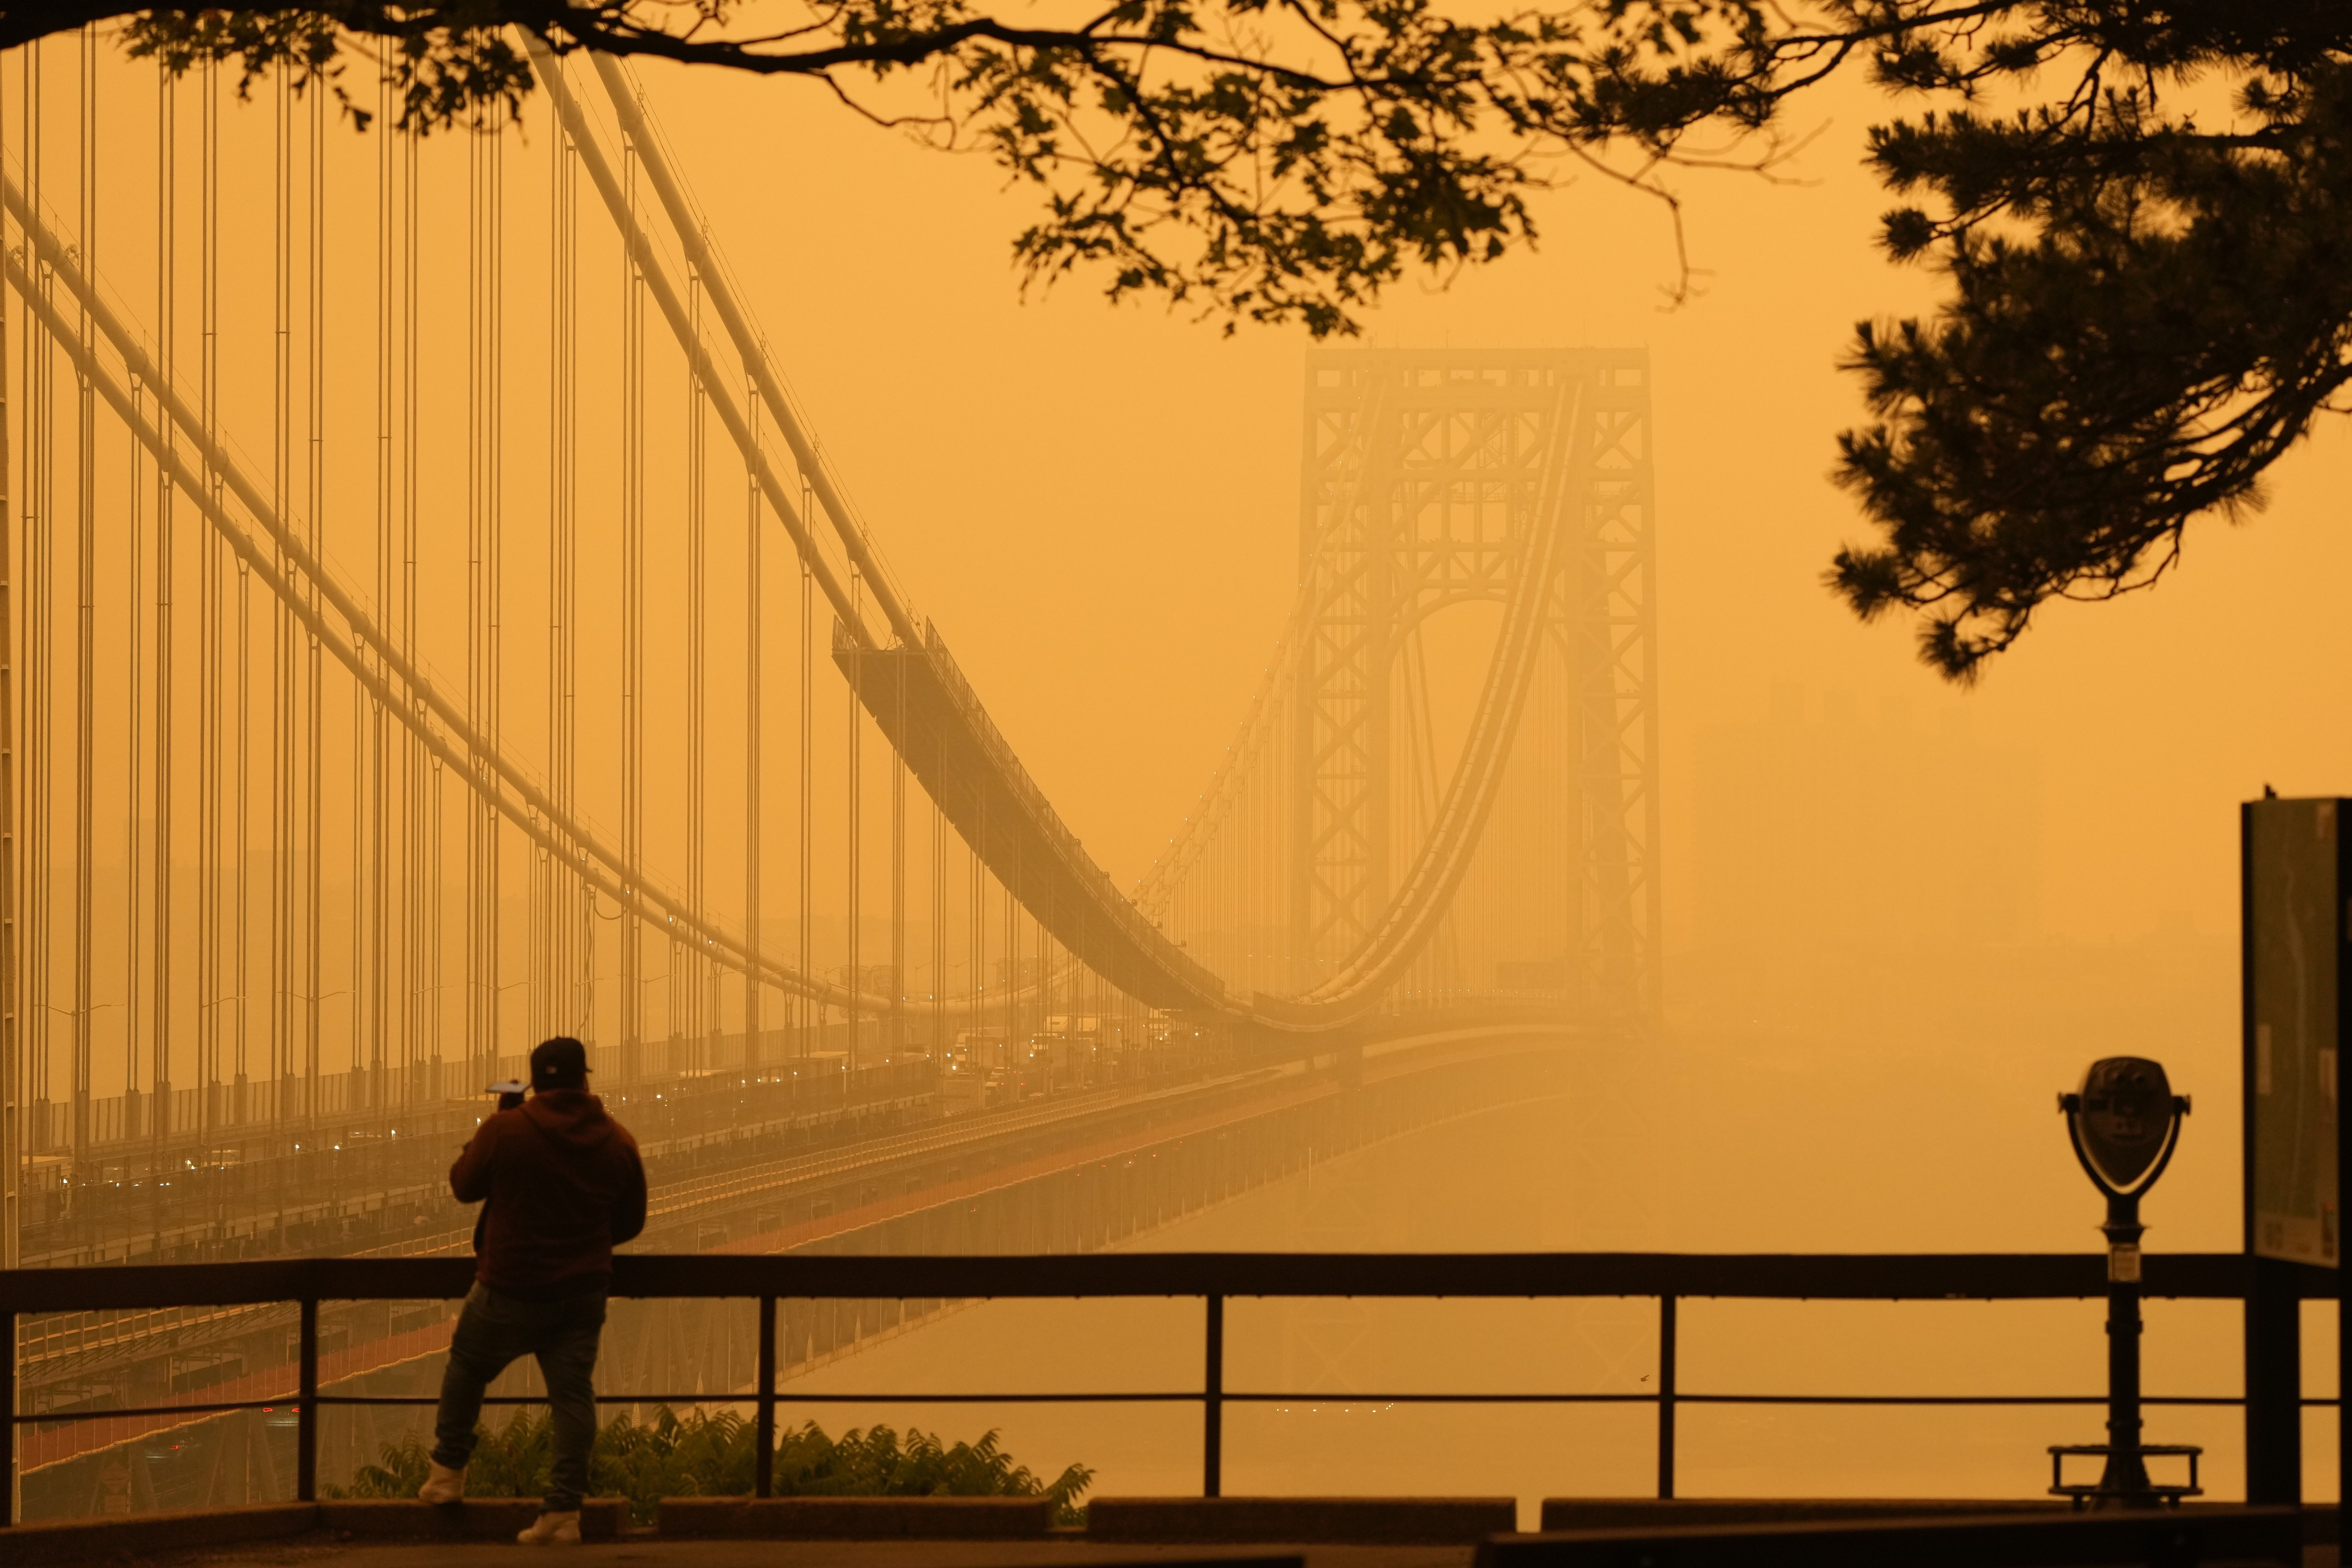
2125 1122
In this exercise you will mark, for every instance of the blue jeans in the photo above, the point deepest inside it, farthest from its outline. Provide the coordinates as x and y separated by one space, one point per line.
492 1331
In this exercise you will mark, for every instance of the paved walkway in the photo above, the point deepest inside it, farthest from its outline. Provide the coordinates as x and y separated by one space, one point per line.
324 1551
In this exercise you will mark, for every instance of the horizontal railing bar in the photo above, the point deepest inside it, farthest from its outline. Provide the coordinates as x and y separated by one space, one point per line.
541 1399
1438 1398
59 1418
782 1399
1947 1399
1198 1397
1981 1276
1194 1396
1328 1400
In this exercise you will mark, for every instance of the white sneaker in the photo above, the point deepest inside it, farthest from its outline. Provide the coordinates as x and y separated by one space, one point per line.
552 1529
444 1485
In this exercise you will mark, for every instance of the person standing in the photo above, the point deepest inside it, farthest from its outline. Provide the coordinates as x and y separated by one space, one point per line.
564 1186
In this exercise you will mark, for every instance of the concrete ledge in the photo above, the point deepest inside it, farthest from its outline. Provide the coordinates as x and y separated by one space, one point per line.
1350 1521
855 1517
2019 1539
476 1518
147 1534
1663 1513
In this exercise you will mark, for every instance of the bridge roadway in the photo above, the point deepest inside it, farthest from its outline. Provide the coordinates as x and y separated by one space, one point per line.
364 1175
1072 1173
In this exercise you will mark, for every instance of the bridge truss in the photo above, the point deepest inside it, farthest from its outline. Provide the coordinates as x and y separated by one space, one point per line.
1436 479
419 588
1348 848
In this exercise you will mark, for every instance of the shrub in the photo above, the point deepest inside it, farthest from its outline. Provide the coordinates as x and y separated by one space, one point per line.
710 1454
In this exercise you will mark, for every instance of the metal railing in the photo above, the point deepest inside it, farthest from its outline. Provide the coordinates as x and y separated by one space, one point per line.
1211 1277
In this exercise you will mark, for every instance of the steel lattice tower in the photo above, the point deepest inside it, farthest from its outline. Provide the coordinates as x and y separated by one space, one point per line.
1422 473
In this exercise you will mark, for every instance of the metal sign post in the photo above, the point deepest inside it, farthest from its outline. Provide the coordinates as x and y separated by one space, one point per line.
2293 884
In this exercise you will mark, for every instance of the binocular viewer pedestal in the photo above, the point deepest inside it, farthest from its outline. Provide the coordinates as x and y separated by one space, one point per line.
2125 1122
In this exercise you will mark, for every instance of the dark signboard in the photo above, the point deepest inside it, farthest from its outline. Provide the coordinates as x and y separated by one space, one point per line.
2294 890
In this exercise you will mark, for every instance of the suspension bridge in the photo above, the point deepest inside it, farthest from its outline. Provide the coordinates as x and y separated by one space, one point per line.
331 786
432 624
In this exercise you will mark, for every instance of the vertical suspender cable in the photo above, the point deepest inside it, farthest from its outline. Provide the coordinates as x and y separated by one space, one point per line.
85 627
234 1110
208 595
633 631
539 940
477 590
561 902
751 747
709 979
314 756
494 499
166 342
808 1014
378 850
854 980
486 429
899 864
976 921
574 950
134 823
241 774
283 688
939 1042
39 461
12 1142
420 802
539 994
488 150
576 913
242 985
686 968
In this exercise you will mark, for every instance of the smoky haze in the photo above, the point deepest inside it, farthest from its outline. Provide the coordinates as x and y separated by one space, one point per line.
1897 915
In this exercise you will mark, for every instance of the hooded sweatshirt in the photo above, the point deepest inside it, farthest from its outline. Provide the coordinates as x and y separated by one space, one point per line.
564 1186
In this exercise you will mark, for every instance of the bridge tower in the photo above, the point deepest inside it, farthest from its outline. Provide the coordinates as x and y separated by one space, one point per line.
1423 474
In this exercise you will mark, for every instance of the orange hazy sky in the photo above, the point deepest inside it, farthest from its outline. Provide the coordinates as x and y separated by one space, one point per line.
1097 503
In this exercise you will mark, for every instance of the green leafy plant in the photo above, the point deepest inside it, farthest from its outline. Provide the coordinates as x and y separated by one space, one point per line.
405 1465
875 1464
513 1461
712 1454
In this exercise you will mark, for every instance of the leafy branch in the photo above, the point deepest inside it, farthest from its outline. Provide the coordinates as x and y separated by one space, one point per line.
2143 310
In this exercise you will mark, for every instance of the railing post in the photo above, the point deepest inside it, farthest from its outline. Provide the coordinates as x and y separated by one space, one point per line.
8 1415
306 1413
764 1467
1666 1396
2273 1314
1212 1404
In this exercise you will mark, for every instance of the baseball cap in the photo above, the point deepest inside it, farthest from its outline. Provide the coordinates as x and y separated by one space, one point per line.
556 1061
